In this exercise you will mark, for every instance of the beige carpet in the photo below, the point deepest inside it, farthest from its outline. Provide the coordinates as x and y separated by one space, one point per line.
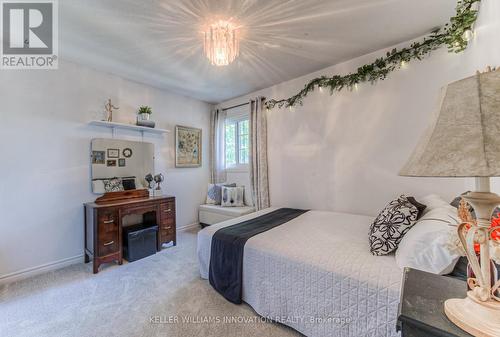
161 295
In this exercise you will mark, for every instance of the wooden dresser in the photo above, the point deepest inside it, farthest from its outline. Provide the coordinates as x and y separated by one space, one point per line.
104 221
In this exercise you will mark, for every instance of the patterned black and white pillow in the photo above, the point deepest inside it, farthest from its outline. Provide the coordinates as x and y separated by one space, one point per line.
214 194
113 185
391 225
233 196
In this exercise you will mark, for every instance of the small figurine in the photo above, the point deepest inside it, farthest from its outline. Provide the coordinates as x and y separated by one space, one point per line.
109 110
159 179
149 179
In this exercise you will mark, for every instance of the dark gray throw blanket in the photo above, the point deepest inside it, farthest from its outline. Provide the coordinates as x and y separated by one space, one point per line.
226 255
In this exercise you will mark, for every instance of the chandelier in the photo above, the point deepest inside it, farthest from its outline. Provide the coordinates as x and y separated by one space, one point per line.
222 43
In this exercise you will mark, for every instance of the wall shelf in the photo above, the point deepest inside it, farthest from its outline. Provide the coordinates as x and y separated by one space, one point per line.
142 129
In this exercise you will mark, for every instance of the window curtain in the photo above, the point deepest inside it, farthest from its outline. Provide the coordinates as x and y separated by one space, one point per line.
258 154
217 154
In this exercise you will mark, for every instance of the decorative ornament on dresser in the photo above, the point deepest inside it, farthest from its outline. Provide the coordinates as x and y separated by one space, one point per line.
158 180
109 107
455 35
188 143
149 179
463 141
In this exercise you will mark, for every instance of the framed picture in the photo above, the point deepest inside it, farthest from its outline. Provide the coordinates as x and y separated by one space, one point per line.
187 147
121 162
113 153
127 152
111 163
98 157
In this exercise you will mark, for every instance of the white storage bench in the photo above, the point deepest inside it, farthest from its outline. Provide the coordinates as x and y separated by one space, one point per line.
212 214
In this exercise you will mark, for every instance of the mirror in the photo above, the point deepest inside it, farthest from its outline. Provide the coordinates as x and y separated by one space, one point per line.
120 165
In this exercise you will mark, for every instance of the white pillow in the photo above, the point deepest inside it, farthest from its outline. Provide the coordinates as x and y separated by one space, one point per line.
432 201
98 186
427 246
233 196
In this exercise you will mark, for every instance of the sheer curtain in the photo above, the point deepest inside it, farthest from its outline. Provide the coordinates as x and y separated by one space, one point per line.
217 154
258 153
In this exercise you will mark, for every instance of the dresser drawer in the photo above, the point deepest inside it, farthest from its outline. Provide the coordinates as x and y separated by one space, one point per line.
108 243
108 232
167 209
166 230
167 214
107 221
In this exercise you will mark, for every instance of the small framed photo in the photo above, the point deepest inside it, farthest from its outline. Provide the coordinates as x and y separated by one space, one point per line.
121 162
113 153
127 153
111 163
98 157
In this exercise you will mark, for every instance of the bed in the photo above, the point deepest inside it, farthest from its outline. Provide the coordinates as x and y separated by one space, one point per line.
316 274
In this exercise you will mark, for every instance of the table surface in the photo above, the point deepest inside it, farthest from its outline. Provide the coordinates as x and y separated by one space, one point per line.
422 302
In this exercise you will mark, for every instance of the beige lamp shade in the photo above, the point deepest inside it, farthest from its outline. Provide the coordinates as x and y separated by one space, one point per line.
464 138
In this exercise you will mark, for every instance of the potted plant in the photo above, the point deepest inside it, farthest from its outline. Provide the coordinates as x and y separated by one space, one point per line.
144 112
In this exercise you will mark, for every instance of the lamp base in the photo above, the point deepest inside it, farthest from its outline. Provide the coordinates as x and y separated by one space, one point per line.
480 319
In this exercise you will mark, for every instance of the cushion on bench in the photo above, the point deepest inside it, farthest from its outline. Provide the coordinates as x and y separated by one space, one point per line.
212 214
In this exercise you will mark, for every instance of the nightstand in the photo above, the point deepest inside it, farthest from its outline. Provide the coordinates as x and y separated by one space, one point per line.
421 309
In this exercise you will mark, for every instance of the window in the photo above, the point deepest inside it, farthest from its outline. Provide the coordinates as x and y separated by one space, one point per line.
237 143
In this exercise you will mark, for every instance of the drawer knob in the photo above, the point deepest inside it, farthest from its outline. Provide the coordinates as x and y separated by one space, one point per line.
167 227
109 243
109 221
167 210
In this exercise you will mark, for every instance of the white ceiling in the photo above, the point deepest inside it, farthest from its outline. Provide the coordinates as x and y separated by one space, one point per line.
159 42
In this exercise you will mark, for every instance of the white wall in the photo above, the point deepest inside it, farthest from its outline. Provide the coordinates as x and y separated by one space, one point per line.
45 164
343 152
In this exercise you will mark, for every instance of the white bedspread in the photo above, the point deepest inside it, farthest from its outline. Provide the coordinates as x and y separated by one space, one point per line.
317 275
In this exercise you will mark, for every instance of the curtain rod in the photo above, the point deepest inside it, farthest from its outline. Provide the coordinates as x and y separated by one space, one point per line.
235 106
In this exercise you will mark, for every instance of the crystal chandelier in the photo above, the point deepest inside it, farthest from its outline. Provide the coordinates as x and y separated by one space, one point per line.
222 44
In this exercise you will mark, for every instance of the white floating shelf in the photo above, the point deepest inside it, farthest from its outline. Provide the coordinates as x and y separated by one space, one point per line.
113 125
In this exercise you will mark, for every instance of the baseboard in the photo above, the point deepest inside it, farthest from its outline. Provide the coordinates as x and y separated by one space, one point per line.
44 268
187 227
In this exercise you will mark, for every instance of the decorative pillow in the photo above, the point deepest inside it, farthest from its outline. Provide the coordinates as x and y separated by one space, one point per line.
214 194
233 196
428 245
419 206
391 225
113 185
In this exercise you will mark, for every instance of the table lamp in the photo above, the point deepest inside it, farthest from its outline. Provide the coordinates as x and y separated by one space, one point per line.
464 141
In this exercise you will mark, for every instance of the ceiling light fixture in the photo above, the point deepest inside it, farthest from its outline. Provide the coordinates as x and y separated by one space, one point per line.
222 44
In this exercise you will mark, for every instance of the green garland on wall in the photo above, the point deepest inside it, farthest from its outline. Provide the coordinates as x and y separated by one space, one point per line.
455 35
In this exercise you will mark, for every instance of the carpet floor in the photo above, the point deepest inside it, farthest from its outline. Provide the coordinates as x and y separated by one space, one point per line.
161 295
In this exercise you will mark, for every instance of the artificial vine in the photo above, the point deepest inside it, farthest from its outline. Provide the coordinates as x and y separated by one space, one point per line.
455 35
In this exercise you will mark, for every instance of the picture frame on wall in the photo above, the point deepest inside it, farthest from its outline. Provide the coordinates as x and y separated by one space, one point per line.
111 163
98 157
121 162
113 153
188 146
127 152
